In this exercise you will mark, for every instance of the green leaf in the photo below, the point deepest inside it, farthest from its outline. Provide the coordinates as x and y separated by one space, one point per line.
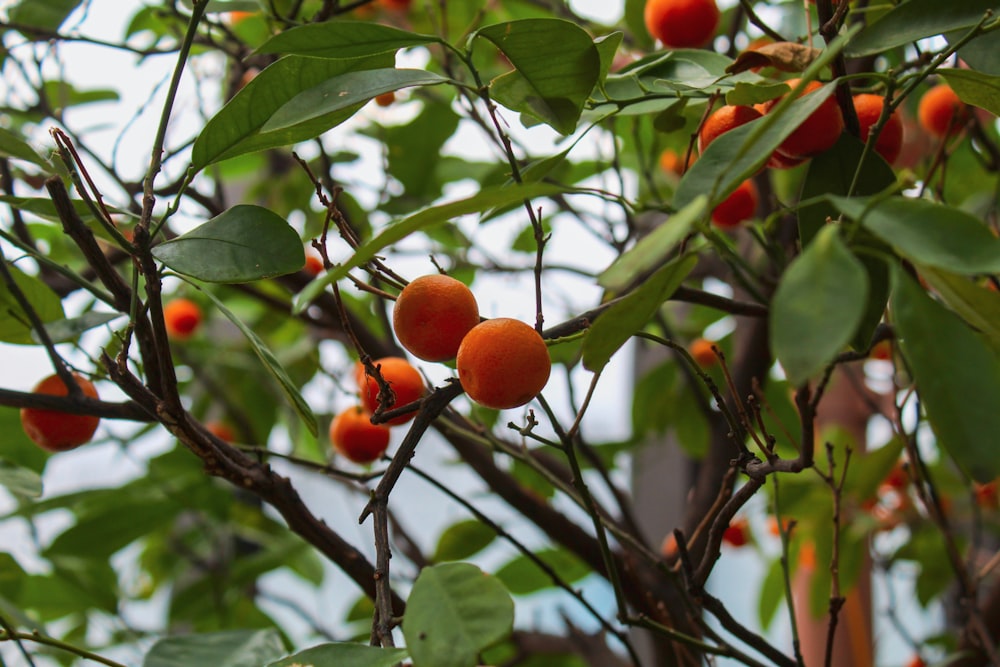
273 367
343 39
817 306
13 146
463 539
928 233
485 199
556 68
918 19
454 611
345 92
62 331
45 209
47 15
99 534
976 88
522 576
14 324
653 249
15 447
61 95
976 305
242 244
20 481
343 655
772 593
237 128
956 374
613 328
414 150
237 648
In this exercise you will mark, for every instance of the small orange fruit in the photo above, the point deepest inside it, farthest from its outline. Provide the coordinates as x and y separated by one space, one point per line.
940 111
503 363
737 533
356 438
882 351
890 139
681 24
396 5
740 205
672 162
404 379
313 265
722 120
385 99
221 430
431 316
817 133
701 351
59 431
181 317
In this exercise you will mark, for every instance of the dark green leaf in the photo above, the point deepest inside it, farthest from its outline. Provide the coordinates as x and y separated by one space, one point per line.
817 306
978 306
238 648
556 67
522 576
20 481
463 539
454 611
933 234
238 127
918 19
976 88
343 655
343 39
14 324
631 313
242 244
15 447
957 377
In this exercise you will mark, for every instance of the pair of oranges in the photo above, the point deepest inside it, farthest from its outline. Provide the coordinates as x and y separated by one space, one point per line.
502 363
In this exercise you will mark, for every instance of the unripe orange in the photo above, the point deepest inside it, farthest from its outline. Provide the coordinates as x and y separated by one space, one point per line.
402 377
503 363
59 431
356 438
681 24
890 139
817 133
940 111
740 205
431 316
181 317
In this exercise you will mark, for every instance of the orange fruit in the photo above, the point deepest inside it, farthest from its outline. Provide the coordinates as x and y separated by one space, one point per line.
404 379
181 317
356 438
681 24
221 430
722 120
701 351
672 162
737 533
59 431
881 351
940 111
431 316
817 133
396 5
890 140
503 363
385 99
740 205
313 265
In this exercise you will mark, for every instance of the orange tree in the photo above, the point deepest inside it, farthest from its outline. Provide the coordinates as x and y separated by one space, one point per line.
517 147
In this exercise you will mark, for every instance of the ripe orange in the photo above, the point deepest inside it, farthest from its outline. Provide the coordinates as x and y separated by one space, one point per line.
737 533
313 265
503 363
385 99
404 379
59 431
221 430
817 133
356 438
740 205
890 140
672 162
882 351
701 351
181 317
396 5
940 111
681 24
431 316
722 120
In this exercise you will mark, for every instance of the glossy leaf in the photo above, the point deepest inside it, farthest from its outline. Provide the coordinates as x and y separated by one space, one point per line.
959 390
422 220
978 306
343 39
13 146
522 576
631 313
242 244
454 611
556 67
273 367
918 19
343 655
817 306
14 324
238 648
463 539
20 481
237 128
933 234
976 88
